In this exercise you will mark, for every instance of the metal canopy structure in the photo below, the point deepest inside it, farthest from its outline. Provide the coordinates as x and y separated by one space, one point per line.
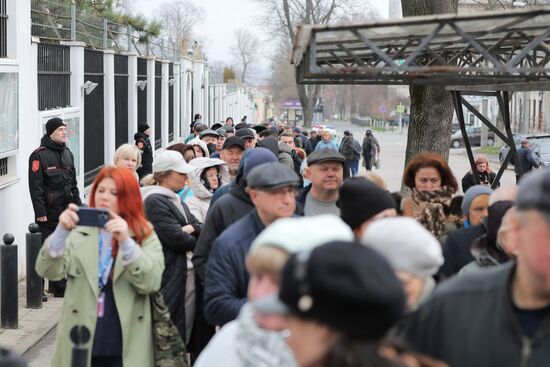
490 54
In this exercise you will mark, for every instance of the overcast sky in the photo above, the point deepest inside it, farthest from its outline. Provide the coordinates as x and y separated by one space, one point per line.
224 17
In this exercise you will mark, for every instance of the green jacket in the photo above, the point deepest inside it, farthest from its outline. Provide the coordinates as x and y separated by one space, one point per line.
132 283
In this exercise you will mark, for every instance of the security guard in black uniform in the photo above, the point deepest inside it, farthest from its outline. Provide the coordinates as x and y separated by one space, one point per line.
52 183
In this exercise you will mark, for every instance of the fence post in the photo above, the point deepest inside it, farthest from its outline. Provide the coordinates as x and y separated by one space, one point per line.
162 48
8 283
73 21
80 335
34 281
105 25
129 36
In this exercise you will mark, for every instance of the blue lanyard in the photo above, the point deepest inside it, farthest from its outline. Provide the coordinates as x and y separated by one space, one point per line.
104 263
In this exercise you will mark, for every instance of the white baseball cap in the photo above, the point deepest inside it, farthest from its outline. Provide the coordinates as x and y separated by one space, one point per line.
170 160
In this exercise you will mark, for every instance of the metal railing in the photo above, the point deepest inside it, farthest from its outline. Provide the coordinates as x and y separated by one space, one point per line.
55 21
54 76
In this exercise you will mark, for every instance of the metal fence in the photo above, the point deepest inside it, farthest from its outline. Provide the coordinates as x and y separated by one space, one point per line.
171 87
54 76
3 29
121 98
94 144
158 104
56 20
142 90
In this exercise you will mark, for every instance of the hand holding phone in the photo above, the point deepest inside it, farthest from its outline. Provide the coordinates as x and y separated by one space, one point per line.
93 217
69 218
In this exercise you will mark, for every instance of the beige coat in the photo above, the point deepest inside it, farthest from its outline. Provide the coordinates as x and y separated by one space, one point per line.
132 284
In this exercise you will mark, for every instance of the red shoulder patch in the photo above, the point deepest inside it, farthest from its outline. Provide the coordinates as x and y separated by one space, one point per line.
35 165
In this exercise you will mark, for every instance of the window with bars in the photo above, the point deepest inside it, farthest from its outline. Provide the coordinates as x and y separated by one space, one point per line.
3 167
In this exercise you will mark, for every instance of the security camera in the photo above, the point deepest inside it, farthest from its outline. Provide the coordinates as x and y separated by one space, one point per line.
171 81
88 87
141 84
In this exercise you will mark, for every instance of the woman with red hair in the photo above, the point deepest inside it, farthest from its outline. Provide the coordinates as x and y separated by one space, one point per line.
110 270
484 172
432 183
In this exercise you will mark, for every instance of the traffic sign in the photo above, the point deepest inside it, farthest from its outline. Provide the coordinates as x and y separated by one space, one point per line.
383 109
400 108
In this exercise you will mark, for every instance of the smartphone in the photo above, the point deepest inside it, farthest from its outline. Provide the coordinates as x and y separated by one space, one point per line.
93 217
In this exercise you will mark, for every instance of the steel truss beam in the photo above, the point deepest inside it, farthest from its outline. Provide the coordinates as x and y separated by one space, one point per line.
488 48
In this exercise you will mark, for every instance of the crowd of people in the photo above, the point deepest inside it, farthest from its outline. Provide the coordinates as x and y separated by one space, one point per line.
269 248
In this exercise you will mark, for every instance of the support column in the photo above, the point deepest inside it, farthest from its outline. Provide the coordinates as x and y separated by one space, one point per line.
198 107
151 99
77 100
109 103
132 95
177 100
165 103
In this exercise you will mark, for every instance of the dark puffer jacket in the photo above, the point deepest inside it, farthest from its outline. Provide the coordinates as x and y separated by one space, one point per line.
168 220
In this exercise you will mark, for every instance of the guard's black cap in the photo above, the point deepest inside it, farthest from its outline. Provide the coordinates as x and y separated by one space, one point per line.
233 141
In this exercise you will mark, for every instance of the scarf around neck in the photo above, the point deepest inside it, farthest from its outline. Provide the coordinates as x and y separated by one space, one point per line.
433 204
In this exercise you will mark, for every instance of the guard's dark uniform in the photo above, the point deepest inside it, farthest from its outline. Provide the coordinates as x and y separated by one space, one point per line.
52 184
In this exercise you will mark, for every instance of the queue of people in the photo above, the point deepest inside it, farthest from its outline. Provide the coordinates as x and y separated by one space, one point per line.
263 264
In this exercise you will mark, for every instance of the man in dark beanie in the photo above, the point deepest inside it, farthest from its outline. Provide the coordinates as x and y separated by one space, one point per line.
144 144
361 202
52 183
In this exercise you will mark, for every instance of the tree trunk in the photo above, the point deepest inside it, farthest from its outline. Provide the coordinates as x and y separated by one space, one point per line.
431 107
308 95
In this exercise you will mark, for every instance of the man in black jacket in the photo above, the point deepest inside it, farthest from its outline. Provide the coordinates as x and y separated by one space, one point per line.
144 145
527 160
271 187
52 183
498 317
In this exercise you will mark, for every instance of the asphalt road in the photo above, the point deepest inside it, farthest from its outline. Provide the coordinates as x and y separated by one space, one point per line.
392 157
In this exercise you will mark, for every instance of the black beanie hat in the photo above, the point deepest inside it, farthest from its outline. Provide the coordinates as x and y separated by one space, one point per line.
53 124
360 200
143 127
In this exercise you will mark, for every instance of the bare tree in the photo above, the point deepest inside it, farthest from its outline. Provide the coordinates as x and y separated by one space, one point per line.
178 19
246 51
431 106
284 17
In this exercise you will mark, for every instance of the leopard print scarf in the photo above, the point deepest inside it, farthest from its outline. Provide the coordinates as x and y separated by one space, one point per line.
433 203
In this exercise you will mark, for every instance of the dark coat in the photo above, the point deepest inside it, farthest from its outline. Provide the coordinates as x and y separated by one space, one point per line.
52 180
313 142
144 144
470 321
457 249
484 177
221 214
347 147
226 282
167 221
526 160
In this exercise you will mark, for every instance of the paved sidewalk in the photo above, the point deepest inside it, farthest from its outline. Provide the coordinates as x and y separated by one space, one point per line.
33 324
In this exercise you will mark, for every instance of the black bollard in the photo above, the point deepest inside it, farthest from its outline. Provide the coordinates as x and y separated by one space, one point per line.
34 282
8 358
8 283
80 335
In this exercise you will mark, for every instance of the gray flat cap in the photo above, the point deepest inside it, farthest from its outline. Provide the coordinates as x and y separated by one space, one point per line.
270 176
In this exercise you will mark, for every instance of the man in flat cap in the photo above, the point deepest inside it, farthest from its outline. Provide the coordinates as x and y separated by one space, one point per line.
325 170
52 183
271 187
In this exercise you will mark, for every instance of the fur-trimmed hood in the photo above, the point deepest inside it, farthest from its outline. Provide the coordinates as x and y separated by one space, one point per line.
199 190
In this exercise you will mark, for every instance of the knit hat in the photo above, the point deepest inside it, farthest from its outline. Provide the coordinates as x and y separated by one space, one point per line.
350 288
406 244
53 124
288 233
142 127
472 193
257 156
360 200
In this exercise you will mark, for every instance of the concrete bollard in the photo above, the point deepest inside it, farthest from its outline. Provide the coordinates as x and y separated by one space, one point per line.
34 281
80 336
8 283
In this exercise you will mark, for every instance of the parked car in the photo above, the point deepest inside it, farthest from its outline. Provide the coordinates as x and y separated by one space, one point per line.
474 136
540 143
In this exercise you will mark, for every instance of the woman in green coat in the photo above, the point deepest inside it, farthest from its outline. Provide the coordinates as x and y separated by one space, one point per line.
110 273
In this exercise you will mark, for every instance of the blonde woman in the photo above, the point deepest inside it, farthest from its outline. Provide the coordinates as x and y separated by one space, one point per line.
128 156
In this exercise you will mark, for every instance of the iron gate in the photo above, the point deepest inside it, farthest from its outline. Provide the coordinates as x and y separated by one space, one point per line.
121 100
54 76
142 93
171 102
158 104
3 29
94 136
